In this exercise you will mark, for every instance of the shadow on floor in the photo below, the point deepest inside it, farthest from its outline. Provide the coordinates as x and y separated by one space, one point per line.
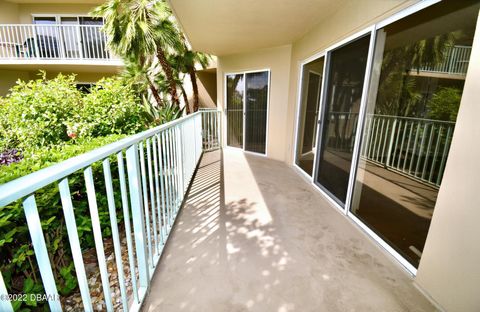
253 236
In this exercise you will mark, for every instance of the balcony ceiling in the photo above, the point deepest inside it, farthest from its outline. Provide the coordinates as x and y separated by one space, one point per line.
222 27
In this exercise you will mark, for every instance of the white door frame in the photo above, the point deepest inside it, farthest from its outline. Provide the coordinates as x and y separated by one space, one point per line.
298 110
359 131
244 73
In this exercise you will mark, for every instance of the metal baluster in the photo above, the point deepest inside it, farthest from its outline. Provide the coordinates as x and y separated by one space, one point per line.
97 235
41 252
145 207
128 231
115 235
75 244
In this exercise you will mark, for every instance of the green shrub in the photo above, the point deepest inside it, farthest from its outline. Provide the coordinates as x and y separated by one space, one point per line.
36 113
444 104
110 108
17 260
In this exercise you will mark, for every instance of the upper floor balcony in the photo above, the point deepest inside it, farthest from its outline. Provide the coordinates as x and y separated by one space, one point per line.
54 44
455 63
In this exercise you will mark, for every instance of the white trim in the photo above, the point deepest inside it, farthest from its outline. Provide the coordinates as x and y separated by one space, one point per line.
93 62
225 108
350 39
299 106
414 8
361 116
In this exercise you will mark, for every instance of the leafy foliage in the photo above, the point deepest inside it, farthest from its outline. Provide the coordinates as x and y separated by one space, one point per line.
17 260
444 104
44 112
36 112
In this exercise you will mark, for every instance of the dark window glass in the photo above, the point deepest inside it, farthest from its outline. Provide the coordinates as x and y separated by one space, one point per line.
308 114
256 111
344 87
235 91
419 71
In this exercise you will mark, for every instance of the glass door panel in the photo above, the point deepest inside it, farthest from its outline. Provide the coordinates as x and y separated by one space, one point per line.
93 40
415 91
47 38
234 110
341 104
256 111
308 114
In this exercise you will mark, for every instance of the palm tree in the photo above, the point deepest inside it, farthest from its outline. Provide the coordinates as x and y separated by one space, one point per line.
185 62
138 29
139 76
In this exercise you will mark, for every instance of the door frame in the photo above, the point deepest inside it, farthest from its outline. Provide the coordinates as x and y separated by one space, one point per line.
351 180
244 73
299 107
359 130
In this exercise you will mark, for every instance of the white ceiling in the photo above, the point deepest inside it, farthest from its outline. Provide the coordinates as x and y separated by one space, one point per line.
223 27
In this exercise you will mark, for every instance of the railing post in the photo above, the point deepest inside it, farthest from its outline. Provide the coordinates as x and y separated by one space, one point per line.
41 252
390 143
137 213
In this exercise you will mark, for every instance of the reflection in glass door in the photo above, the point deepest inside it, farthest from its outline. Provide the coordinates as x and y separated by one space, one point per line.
235 91
420 66
256 97
339 117
308 114
247 110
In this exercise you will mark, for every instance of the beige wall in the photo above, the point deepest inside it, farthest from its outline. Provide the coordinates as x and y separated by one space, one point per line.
22 13
278 61
8 78
450 266
9 12
208 88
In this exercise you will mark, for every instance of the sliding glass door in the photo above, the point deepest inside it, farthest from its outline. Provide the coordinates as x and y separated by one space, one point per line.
339 117
247 110
312 73
415 90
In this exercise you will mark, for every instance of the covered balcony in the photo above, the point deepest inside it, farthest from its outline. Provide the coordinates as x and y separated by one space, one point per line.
206 229
54 43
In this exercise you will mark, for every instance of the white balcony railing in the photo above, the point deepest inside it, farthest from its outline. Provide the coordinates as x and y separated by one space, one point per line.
415 147
53 42
455 63
160 164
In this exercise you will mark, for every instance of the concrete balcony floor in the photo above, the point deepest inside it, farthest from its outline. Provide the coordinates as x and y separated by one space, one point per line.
253 235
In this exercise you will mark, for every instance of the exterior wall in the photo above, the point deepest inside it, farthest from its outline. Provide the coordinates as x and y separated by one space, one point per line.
9 12
449 268
8 78
278 61
26 10
207 89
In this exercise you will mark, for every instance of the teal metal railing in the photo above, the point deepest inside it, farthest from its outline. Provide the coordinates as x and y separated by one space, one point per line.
160 164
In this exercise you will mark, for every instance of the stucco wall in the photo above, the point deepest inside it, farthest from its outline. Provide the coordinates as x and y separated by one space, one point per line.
450 266
26 10
9 12
278 61
8 78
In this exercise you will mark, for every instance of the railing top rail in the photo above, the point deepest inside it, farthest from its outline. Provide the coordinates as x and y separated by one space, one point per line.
399 117
51 25
28 184
414 118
